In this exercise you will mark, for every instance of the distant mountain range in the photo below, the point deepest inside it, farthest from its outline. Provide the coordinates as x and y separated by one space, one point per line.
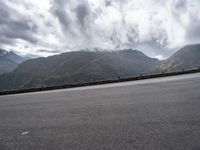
74 67
87 66
9 61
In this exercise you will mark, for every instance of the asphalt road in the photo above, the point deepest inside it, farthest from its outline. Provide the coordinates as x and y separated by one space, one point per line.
153 114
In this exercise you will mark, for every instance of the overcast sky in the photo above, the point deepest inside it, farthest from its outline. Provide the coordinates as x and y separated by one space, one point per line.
45 27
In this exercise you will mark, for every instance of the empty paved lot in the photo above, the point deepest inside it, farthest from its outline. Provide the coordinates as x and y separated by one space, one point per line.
154 114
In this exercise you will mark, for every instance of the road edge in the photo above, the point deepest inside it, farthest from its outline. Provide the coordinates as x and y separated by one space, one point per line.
134 78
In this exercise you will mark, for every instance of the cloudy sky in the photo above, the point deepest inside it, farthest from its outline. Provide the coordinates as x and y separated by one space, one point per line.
46 27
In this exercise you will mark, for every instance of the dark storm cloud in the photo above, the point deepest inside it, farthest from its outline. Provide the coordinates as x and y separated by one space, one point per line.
82 11
73 18
107 2
19 30
59 10
4 13
5 40
181 4
14 26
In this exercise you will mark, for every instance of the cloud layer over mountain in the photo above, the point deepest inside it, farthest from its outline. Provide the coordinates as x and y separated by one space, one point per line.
157 27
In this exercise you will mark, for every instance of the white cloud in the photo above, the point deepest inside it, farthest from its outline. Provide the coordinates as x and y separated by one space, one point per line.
157 27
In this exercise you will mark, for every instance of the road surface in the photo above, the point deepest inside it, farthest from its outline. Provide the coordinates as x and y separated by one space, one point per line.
152 114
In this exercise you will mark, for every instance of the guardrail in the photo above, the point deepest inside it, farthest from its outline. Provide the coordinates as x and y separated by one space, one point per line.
140 77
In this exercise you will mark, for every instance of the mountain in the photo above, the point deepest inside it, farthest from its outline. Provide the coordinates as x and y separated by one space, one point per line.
186 58
9 61
74 67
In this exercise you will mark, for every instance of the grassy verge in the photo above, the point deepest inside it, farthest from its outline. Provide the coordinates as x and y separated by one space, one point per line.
140 77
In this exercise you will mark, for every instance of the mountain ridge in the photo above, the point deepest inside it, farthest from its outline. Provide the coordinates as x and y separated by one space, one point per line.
9 61
89 66
78 66
187 57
